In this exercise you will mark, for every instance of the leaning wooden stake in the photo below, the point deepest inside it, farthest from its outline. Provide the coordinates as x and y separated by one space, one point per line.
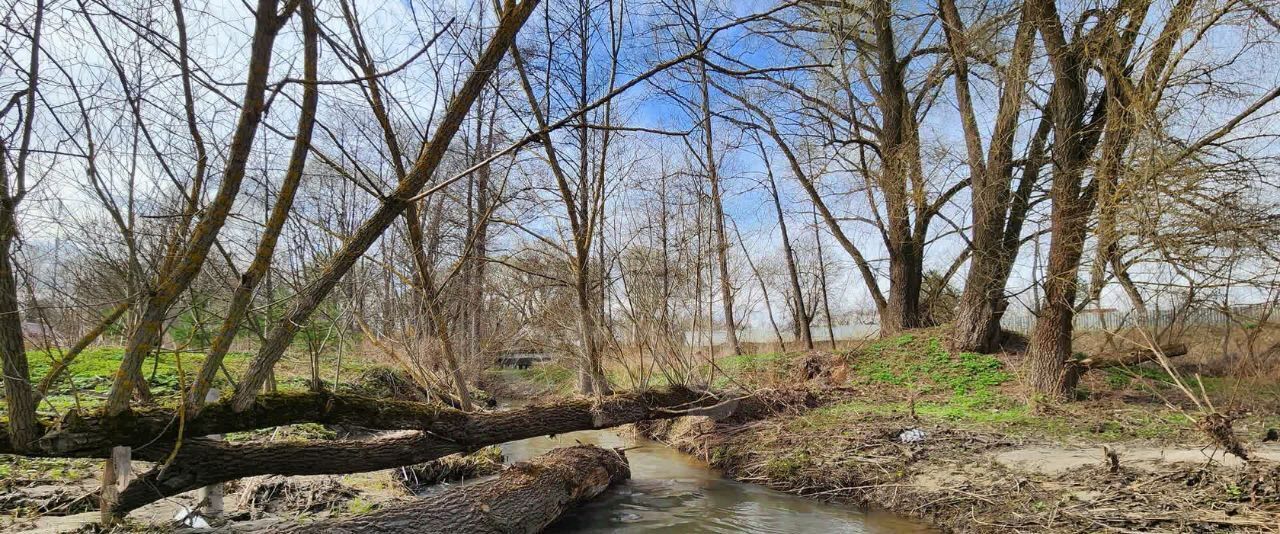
209 498
526 497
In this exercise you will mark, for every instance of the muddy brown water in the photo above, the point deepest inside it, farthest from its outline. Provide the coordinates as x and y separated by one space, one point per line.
670 491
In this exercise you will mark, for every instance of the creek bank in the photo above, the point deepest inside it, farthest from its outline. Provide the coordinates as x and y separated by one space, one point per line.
963 478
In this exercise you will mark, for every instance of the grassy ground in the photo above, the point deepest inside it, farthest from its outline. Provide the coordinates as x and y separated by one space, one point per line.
540 380
85 383
913 375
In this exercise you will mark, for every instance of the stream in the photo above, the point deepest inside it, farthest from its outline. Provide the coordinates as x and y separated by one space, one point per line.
670 491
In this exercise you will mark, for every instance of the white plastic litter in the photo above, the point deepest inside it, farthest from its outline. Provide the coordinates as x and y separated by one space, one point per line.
188 518
911 435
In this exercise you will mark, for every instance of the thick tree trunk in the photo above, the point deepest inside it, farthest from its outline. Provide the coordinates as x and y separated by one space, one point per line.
1050 371
19 397
976 326
526 497
900 151
902 310
439 432
94 436
1132 357
21 400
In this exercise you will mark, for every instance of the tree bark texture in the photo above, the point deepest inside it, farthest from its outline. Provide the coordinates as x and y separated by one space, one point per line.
526 497
1050 371
1132 357
976 326
173 282
435 432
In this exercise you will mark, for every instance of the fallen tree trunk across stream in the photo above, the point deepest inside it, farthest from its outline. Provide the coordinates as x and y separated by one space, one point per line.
526 497
440 432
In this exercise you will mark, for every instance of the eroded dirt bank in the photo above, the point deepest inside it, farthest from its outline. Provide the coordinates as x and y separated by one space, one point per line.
835 446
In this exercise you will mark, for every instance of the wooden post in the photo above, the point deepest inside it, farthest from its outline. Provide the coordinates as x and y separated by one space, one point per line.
115 478
209 502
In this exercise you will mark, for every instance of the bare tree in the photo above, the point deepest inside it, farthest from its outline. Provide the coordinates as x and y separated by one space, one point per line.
21 400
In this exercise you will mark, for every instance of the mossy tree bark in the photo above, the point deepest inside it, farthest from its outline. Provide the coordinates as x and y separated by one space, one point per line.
526 497
433 432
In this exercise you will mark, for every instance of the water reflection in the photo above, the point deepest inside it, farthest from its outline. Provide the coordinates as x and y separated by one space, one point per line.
672 492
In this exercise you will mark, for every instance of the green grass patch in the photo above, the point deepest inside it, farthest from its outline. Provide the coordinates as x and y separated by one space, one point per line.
85 383
834 415
93 369
551 376
788 466
924 366
751 363
359 506
21 468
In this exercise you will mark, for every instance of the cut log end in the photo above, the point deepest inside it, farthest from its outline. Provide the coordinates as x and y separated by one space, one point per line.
526 497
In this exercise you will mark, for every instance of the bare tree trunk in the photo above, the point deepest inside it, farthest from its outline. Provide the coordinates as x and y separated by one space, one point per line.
822 283
146 334
578 204
592 378
526 497
429 299
801 318
432 153
976 326
19 397
764 290
717 205
201 462
1050 370
899 147
242 297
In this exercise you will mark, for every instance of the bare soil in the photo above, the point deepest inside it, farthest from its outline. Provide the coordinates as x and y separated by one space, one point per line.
967 478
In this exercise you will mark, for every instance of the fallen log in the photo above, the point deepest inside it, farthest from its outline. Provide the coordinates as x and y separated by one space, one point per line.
526 497
94 435
1132 357
202 462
